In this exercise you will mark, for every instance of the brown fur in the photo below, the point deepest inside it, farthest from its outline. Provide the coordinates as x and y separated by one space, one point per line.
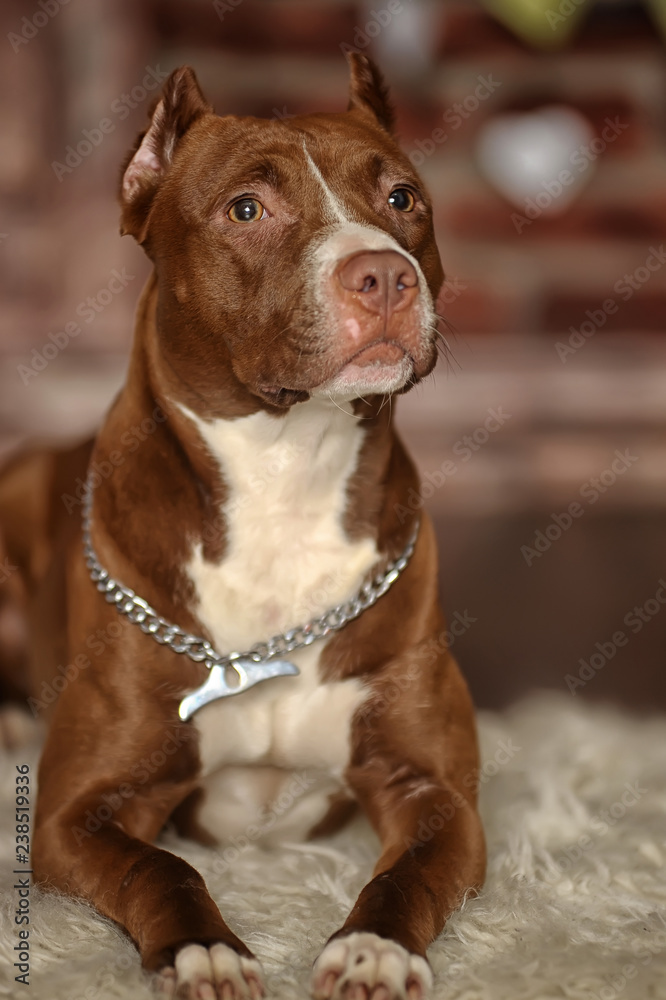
201 338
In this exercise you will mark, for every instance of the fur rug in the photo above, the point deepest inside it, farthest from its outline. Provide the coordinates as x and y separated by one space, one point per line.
574 802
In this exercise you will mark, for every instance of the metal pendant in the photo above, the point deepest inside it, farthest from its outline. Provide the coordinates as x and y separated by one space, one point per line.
217 686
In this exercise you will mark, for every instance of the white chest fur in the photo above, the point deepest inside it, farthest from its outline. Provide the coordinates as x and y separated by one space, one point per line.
287 560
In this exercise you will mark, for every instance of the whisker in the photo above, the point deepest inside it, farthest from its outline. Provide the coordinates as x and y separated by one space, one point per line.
444 348
388 399
342 410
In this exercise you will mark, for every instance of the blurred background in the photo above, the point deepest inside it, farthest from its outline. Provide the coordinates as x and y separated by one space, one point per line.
539 127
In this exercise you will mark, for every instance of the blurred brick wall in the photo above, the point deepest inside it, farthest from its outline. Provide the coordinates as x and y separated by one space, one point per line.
83 66
86 75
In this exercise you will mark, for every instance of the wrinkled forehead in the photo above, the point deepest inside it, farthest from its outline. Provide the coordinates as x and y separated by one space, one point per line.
328 159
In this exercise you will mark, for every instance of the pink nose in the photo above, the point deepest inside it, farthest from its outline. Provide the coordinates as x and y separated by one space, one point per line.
382 281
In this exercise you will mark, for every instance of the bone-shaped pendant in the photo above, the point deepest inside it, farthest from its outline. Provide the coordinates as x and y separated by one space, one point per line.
216 686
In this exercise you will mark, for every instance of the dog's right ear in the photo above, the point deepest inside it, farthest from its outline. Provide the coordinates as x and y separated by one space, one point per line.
368 91
180 105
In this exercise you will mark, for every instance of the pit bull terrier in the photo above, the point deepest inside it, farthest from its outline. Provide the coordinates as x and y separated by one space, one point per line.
245 593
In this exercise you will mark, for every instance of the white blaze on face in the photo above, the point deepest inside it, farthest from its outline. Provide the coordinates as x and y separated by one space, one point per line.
335 207
346 237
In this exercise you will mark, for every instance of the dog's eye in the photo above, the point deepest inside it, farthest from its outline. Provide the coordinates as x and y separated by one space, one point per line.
402 199
246 210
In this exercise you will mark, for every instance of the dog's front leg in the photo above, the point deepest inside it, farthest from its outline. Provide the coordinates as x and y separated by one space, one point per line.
94 843
414 770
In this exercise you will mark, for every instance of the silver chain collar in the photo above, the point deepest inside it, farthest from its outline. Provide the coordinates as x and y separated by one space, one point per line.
234 672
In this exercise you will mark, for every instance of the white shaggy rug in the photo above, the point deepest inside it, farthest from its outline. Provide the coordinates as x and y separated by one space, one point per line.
574 801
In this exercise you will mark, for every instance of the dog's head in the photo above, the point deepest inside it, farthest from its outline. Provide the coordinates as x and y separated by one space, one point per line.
298 254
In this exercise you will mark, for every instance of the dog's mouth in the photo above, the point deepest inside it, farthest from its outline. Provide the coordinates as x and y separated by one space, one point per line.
380 353
281 395
381 367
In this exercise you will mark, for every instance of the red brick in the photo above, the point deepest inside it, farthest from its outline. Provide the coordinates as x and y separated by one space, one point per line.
417 121
480 309
644 312
252 27
490 218
468 30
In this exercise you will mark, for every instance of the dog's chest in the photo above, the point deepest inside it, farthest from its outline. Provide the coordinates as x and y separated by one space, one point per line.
287 559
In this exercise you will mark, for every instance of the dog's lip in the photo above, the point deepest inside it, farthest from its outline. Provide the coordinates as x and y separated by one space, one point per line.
379 352
282 395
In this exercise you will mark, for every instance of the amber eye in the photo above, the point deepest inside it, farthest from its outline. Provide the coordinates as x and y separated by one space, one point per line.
246 210
402 199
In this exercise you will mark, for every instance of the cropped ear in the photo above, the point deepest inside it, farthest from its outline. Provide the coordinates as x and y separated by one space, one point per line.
368 92
180 105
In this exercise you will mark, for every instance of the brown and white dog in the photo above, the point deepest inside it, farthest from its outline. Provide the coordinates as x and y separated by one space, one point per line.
295 276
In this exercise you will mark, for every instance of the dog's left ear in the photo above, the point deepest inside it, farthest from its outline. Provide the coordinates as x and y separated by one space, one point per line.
368 92
179 107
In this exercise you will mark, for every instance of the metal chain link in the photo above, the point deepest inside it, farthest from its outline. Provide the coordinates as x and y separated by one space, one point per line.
140 613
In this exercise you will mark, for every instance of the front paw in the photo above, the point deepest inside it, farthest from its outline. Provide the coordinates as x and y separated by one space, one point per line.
368 967
215 973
